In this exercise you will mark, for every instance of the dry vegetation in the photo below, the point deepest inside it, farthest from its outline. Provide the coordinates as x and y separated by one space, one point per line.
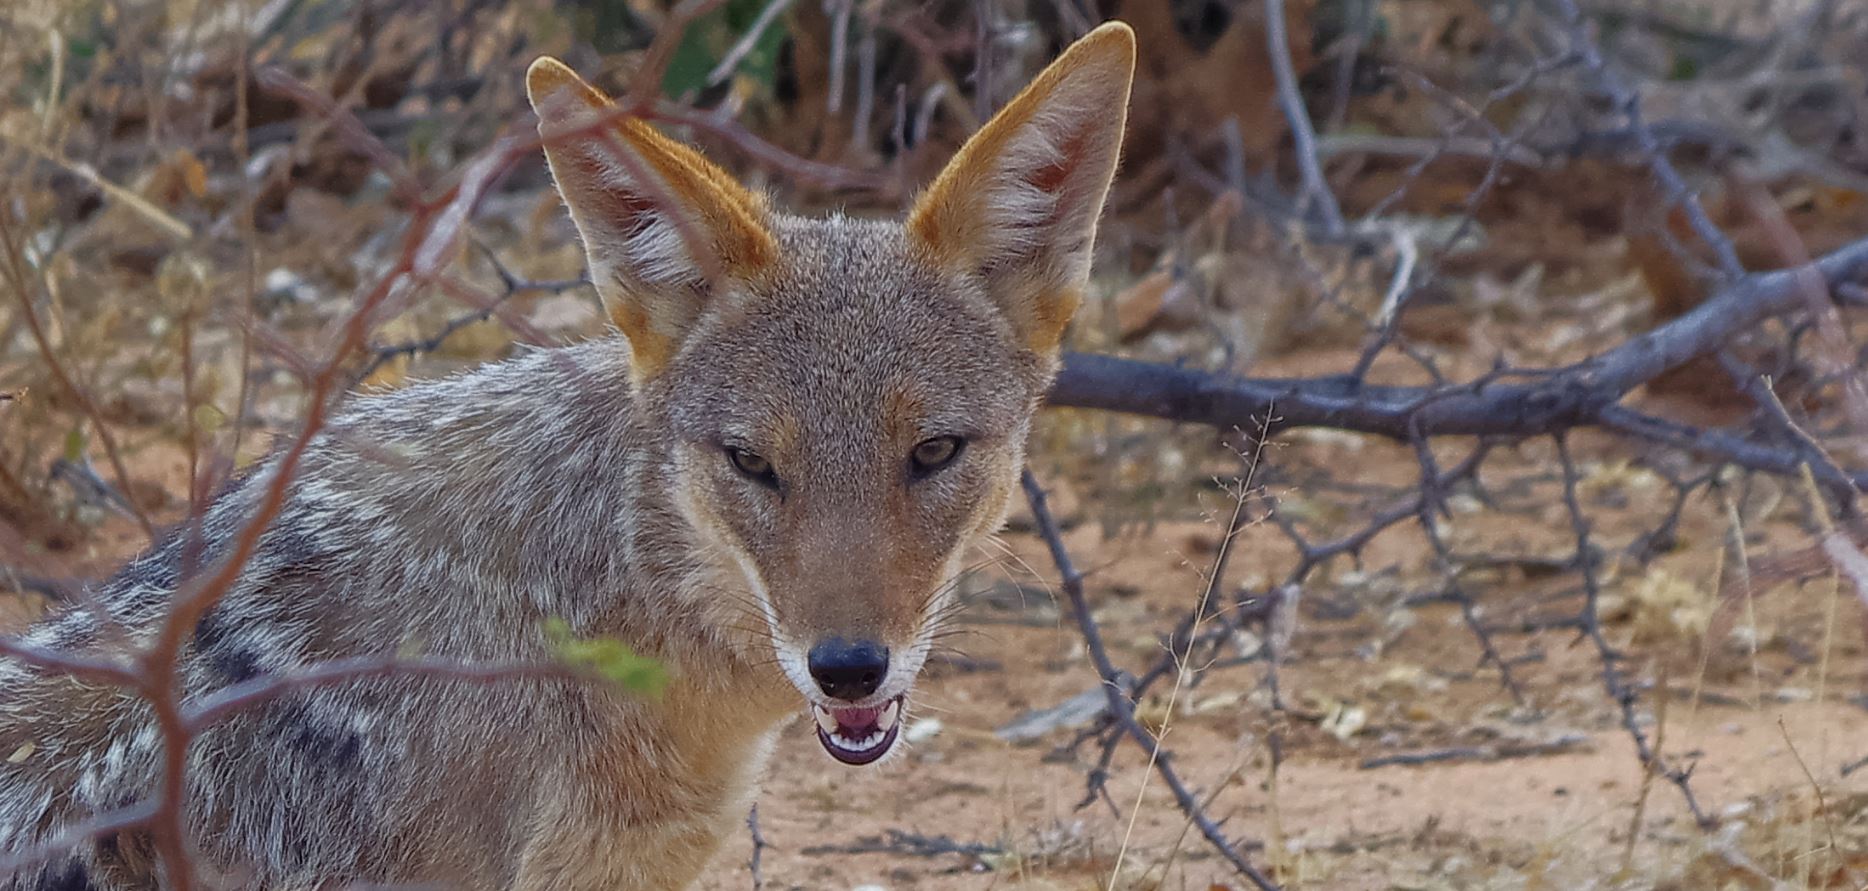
1413 592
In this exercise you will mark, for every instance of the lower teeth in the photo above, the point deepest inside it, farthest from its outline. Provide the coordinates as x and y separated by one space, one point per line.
868 743
832 729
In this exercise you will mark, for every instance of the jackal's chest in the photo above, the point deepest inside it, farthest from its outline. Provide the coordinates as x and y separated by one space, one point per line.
698 748
648 807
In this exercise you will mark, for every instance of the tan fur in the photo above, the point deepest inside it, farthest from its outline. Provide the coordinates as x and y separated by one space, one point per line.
597 485
724 231
1086 91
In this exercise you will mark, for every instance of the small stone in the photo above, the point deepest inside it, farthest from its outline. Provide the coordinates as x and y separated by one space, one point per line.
921 731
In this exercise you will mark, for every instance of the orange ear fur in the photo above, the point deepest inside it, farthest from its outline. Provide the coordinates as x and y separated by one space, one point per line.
663 228
1019 203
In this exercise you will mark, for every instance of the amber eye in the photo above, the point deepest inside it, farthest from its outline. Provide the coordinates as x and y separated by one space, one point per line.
752 465
933 454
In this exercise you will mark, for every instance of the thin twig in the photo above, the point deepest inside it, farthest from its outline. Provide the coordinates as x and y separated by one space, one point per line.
1121 711
1316 190
1564 744
753 865
1618 689
737 54
11 245
135 816
200 714
1628 102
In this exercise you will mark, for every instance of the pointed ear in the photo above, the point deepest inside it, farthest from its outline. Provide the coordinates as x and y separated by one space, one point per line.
1018 205
664 230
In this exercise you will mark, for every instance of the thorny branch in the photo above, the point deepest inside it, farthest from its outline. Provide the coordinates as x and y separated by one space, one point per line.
430 242
1617 687
1121 709
1316 189
1628 103
755 863
511 286
1431 504
1547 401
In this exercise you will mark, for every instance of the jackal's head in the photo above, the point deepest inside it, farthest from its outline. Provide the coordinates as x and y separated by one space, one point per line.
846 401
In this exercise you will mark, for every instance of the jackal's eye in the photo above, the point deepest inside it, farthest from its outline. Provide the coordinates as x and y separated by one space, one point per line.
752 465
933 454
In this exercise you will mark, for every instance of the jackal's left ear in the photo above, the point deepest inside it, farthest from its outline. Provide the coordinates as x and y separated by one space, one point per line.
664 230
1018 205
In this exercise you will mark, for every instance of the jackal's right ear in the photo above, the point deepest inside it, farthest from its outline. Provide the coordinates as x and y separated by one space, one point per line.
663 229
1018 204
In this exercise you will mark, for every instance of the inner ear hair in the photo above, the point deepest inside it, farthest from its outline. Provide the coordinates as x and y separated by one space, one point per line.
1019 203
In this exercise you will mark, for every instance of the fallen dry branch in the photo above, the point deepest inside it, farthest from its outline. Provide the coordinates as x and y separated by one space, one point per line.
1501 752
912 844
1508 403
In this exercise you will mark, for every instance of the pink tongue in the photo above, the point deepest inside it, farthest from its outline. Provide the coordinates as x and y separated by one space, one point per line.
856 723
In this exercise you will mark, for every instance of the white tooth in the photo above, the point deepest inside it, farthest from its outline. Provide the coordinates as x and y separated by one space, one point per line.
890 712
825 719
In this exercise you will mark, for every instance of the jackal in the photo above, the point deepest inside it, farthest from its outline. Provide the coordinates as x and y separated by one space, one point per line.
767 481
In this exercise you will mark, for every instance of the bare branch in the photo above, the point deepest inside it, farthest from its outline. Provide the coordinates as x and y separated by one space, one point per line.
222 704
1550 400
1121 711
136 816
1628 102
730 61
1316 189
1618 689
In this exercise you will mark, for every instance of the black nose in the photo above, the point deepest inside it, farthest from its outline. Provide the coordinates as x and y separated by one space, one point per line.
848 671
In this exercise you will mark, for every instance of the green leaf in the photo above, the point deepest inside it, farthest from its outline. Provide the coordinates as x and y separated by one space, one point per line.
423 136
610 659
708 40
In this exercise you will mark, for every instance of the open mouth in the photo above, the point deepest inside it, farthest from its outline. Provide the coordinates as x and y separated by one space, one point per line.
859 735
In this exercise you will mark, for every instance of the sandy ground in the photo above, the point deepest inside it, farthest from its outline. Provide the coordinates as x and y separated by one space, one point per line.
1561 819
